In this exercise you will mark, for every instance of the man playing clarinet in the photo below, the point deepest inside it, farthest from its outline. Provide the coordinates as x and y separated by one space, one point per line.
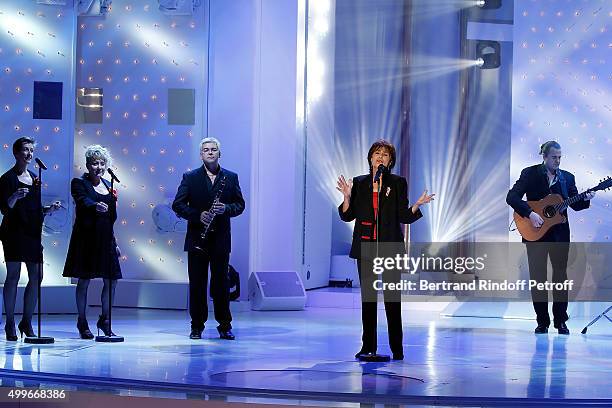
207 197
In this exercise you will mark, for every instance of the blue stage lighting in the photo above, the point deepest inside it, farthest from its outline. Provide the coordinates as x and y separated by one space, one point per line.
52 2
489 53
489 4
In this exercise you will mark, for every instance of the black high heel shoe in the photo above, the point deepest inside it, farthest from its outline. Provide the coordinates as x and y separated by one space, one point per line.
104 325
26 328
84 331
11 334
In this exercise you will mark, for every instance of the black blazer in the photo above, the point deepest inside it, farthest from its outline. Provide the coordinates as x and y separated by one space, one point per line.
533 182
393 211
196 194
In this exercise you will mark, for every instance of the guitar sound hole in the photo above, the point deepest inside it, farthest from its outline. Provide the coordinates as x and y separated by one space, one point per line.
549 211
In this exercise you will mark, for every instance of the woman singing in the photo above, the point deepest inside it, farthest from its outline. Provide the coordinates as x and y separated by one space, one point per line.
93 250
378 202
20 235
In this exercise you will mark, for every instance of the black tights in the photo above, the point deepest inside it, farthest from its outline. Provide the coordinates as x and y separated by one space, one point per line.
81 296
9 292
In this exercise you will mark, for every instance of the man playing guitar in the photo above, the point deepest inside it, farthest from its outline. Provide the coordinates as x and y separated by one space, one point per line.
537 182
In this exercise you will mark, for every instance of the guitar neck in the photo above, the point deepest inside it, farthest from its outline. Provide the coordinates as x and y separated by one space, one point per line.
572 200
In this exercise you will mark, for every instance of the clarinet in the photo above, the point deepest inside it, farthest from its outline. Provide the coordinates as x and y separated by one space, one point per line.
217 197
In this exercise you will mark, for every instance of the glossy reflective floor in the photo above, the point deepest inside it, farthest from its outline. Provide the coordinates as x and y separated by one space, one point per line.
309 354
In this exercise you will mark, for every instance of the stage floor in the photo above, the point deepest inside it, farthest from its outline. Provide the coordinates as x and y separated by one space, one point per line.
308 355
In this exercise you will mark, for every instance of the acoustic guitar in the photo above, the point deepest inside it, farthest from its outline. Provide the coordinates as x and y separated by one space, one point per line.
550 208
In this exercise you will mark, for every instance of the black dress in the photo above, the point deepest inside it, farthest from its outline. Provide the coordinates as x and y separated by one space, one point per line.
22 224
92 251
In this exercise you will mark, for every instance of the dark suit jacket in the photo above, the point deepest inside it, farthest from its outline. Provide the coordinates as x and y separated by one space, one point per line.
533 182
393 211
196 194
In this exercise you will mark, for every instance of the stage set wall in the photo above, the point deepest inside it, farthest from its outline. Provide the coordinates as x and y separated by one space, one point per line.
471 131
561 91
370 64
297 91
240 60
37 44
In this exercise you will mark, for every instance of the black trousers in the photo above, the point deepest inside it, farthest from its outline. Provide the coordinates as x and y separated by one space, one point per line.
198 263
393 309
537 256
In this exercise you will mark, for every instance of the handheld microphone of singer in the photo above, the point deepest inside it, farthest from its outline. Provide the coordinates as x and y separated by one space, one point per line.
112 174
40 163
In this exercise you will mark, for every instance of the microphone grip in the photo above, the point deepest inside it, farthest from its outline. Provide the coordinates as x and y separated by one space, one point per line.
112 174
40 163
379 171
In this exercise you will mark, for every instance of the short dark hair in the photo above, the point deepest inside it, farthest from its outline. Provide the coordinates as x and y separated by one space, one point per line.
18 144
551 144
382 144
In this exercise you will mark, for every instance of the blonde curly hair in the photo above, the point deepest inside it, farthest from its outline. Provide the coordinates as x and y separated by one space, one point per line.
97 152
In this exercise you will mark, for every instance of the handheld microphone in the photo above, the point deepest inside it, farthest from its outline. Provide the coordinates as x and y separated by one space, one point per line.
40 163
112 174
381 169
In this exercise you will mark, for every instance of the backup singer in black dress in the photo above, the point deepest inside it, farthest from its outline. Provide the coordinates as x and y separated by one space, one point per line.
361 203
93 251
20 235
194 202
